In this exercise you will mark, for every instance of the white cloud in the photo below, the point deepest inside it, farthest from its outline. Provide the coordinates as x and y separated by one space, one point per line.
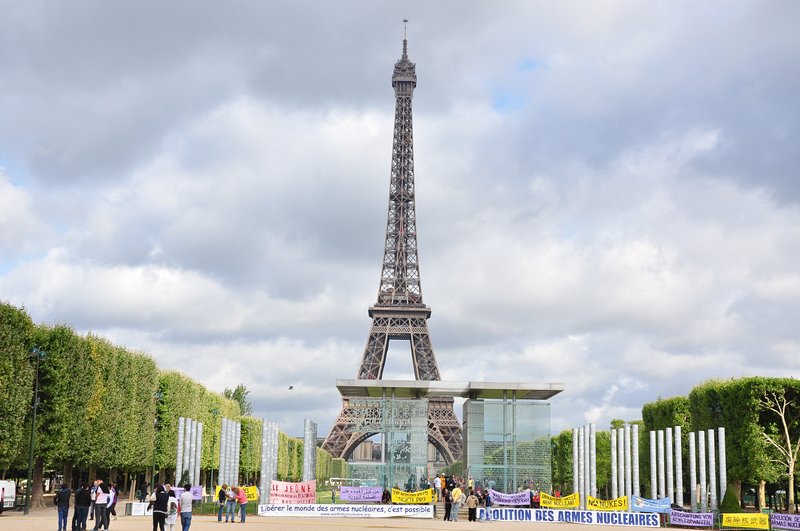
606 195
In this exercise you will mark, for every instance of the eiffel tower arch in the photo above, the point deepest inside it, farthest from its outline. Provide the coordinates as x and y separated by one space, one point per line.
399 313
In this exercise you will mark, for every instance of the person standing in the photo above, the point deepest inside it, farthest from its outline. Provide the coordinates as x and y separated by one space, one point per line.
186 507
61 500
448 504
230 503
93 495
159 502
457 493
221 498
101 504
437 486
488 502
83 501
241 497
472 506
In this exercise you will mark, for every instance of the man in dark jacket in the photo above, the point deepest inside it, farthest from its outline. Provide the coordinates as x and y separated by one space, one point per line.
83 500
62 501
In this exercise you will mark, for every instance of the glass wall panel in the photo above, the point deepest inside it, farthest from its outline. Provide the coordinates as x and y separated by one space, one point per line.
403 424
507 444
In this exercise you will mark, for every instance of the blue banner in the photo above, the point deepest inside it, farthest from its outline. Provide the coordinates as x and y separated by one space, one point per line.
647 505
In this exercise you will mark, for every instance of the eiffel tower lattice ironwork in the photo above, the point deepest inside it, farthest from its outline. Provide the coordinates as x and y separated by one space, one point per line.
400 313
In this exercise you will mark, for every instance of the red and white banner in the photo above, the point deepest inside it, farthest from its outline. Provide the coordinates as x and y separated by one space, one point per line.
295 493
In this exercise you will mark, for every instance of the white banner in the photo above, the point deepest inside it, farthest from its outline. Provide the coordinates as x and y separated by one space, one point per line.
140 509
504 514
341 510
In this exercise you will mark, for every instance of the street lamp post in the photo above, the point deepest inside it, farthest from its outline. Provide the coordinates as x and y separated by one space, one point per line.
158 395
39 354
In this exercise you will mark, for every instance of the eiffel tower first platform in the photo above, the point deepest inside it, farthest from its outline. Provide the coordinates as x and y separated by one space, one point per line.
399 313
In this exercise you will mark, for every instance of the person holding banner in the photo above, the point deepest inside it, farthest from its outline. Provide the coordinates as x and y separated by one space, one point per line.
241 497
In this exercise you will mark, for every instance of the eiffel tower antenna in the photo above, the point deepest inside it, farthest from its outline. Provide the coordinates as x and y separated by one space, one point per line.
399 313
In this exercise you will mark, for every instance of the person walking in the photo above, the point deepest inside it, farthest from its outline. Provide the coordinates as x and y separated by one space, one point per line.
230 503
112 507
186 507
61 500
172 508
159 502
221 497
437 486
241 497
472 506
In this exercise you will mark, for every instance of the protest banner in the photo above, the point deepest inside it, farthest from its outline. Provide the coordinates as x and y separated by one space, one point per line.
360 494
784 521
617 504
745 520
626 519
346 510
565 502
648 505
422 496
252 493
684 518
294 493
518 498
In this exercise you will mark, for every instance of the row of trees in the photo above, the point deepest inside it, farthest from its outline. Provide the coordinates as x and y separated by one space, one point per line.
761 417
104 407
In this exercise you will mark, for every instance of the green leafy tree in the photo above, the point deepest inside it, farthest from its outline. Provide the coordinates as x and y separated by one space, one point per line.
781 426
734 404
16 381
240 394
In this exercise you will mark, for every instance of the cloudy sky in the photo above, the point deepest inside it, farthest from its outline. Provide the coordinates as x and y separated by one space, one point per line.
608 192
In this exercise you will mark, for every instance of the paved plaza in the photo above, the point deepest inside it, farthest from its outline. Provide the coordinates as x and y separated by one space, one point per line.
46 520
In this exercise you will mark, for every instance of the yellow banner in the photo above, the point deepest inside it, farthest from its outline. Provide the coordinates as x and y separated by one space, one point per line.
746 520
617 504
422 496
565 502
252 493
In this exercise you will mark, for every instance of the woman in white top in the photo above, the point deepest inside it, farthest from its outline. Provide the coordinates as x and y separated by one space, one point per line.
172 509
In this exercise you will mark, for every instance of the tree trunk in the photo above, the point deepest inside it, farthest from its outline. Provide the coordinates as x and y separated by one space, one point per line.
762 498
37 492
737 490
92 474
132 492
68 474
790 491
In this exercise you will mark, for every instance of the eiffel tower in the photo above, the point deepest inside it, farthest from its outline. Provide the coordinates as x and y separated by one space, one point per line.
400 313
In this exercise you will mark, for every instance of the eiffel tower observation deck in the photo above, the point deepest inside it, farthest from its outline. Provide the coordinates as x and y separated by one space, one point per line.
399 313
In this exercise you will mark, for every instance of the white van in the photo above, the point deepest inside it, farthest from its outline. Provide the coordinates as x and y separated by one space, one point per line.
8 495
